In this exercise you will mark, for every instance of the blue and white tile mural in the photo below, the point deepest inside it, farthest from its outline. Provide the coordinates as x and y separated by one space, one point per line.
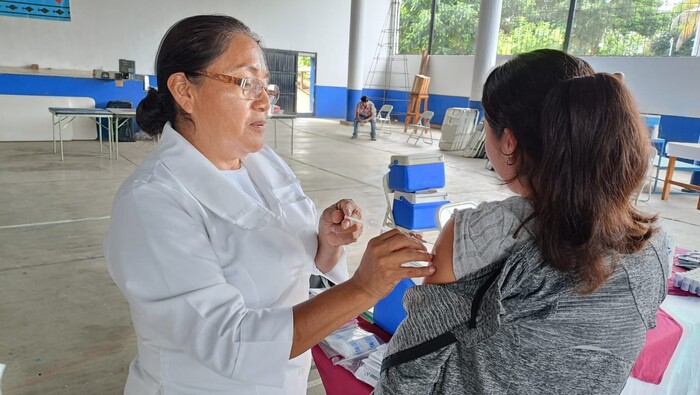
56 10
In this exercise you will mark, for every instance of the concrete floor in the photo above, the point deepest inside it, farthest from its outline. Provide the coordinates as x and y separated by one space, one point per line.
64 326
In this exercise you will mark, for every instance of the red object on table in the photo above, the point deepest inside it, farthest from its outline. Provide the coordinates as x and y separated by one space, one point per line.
336 379
659 346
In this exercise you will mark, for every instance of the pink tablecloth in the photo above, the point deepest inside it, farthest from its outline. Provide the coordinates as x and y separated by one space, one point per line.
658 349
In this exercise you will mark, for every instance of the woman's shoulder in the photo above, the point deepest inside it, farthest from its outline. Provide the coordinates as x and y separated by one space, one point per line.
150 181
489 233
511 211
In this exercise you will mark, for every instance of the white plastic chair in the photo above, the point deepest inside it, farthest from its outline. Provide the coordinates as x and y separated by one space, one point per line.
386 117
421 128
651 177
445 212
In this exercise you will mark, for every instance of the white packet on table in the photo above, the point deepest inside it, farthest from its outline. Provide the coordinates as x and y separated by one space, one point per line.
352 342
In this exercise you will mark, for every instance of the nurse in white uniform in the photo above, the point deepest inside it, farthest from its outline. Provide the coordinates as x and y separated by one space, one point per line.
212 239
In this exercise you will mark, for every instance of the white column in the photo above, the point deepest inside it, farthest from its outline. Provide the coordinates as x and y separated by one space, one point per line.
486 47
355 58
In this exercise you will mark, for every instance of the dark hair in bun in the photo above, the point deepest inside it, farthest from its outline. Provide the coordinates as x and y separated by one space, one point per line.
154 111
189 46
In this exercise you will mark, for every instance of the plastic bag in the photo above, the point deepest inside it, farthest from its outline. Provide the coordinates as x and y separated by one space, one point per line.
352 342
356 350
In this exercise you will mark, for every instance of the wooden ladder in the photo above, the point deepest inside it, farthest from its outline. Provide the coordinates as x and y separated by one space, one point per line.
417 104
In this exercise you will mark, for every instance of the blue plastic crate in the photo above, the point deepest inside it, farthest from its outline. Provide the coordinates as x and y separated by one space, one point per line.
410 173
389 312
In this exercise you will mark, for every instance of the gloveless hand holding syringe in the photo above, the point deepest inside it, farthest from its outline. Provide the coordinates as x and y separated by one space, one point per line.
381 228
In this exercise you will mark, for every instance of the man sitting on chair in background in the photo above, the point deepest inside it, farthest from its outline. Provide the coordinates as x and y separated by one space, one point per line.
366 111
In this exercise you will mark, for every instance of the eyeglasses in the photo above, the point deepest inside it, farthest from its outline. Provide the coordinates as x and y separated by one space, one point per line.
251 87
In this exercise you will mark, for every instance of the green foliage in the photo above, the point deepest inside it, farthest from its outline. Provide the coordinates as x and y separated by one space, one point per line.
414 25
456 24
528 36
303 61
601 27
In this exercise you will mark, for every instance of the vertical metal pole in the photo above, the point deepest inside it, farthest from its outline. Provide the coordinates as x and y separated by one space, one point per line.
60 137
569 24
115 130
53 119
432 27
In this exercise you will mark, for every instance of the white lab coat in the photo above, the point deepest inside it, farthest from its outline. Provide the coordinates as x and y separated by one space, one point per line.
211 275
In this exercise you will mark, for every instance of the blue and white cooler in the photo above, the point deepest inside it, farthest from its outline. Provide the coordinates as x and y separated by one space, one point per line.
415 172
418 210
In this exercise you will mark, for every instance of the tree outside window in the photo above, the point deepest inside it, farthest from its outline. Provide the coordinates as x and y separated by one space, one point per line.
599 28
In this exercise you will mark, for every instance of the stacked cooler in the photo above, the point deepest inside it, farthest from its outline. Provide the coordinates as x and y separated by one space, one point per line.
416 181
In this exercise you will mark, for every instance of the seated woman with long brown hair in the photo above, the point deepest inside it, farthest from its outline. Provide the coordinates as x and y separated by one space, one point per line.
552 290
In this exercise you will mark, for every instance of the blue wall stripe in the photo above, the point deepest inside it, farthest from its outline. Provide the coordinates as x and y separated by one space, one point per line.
101 91
330 101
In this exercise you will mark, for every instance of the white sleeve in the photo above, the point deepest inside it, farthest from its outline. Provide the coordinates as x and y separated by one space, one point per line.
158 253
339 273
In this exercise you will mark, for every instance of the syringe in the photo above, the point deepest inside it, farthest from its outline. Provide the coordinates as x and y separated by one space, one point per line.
375 225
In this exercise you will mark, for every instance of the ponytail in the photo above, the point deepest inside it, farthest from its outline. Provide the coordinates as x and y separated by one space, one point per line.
595 152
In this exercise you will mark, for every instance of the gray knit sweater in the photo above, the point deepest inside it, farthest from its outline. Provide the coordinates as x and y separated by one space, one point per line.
516 326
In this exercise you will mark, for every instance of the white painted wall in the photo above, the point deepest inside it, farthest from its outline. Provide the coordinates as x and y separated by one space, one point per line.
669 86
26 118
101 32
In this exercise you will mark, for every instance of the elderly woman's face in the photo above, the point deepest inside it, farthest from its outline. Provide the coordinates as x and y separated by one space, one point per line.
229 124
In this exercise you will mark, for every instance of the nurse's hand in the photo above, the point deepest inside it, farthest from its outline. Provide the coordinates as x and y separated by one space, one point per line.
334 229
381 266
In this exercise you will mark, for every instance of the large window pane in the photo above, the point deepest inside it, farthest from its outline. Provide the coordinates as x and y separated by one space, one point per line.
414 26
456 24
634 27
600 27
527 25
454 33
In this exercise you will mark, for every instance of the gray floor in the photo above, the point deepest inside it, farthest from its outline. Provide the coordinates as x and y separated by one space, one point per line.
64 326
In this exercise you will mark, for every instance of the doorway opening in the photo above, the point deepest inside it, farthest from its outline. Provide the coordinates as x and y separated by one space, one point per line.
295 73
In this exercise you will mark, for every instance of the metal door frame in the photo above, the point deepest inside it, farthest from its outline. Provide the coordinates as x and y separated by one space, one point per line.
296 54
